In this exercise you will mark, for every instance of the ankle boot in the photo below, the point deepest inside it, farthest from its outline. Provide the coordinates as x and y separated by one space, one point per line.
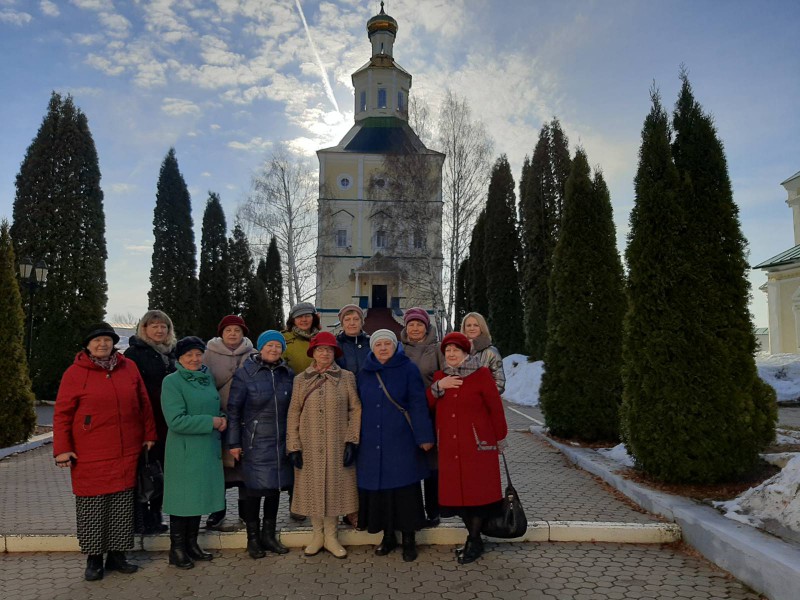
177 543
116 561
473 550
330 537
94 567
409 546
268 540
192 549
317 537
388 543
254 548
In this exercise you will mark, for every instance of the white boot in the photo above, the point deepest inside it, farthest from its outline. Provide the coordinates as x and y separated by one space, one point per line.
317 537
331 543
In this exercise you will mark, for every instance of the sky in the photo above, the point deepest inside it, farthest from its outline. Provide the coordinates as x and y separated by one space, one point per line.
225 81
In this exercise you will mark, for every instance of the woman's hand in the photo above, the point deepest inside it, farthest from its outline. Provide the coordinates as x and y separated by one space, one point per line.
220 424
148 444
236 453
63 460
450 382
296 459
426 446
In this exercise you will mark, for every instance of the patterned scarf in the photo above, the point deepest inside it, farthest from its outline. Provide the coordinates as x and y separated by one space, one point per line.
107 364
306 335
467 367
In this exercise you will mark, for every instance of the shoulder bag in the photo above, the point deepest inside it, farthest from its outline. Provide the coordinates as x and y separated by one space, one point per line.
402 410
511 522
149 478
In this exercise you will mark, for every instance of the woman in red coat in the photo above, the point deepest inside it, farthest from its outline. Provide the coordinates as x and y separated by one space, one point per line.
102 419
470 431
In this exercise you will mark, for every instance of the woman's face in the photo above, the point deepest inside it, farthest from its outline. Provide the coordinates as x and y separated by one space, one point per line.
351 323
232 336
472 328
156 331
192 360
101 346
323 355
303 322
453 355
271 351
416 330
383 350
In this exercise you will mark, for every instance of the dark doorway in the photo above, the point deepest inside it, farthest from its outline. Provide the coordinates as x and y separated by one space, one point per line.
379 293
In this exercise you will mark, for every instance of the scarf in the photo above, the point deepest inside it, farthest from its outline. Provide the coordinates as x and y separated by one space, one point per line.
201 376
306 335
467 367
107 364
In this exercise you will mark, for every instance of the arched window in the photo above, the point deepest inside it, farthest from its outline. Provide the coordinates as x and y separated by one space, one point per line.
381 98
381 239
363 102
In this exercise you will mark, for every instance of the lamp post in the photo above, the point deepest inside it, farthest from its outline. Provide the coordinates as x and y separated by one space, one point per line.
32 276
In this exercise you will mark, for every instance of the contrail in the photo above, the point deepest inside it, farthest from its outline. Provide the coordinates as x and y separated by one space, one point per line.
328 89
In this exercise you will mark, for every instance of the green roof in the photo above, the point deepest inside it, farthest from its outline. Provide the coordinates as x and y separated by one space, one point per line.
786 257
385 135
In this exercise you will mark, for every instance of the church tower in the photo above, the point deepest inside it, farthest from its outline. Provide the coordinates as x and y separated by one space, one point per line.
380 200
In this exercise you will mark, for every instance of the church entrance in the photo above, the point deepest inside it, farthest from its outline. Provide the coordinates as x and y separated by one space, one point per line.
379 296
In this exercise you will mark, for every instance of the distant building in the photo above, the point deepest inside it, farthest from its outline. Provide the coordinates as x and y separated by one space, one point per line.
783 283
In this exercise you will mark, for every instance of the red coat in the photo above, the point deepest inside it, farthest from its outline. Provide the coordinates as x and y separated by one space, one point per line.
104 418
469 421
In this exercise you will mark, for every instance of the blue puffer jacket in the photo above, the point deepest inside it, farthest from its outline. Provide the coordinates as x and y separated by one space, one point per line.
389 455
355 351
257 409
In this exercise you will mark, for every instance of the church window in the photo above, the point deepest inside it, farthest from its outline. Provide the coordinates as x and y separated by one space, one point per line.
345 182
341 238
382 98
363 102
400 104
380 239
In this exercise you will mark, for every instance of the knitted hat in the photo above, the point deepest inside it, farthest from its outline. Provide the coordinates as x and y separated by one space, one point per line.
232 320
97 330
302 308
382 334
350 308
324 338
189 343
457 339
270 336
417 313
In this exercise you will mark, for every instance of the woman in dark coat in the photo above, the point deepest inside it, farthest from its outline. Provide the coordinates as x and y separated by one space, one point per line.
102 419
471 430
390 463
353 341
257 407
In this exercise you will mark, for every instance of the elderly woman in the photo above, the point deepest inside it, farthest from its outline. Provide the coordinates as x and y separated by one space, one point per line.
301 326
474 326
152 350
194 483
352 339
257 410
224 355
102 419
322 439
471 429
396 431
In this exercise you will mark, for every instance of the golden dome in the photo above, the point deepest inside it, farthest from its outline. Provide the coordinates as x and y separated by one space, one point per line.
382 22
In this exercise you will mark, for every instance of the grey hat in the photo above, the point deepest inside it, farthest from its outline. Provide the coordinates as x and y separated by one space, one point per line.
382 334
302 308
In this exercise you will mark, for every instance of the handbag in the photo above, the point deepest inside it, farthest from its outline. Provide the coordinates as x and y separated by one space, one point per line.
402 410
511 522
149 478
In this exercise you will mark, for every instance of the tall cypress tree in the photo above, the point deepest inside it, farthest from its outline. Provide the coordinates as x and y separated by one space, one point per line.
477 293
17 415
240 270
501 256
461 294
173 275
272 276
581 387
59 218
215 297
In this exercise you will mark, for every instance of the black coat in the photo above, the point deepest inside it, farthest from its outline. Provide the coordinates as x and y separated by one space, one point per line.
153 368
355 351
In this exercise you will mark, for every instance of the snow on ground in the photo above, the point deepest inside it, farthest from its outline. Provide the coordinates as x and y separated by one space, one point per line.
782 372
618 453
522 379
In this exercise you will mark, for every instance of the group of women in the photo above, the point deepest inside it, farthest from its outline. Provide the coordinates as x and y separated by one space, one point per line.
348 425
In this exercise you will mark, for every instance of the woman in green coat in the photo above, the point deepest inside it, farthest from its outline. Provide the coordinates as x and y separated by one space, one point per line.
301 326
194 483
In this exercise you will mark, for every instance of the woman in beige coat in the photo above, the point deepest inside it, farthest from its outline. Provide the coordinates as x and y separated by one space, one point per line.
322 435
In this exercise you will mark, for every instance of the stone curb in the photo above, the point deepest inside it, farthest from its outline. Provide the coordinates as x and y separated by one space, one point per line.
767 564
34 442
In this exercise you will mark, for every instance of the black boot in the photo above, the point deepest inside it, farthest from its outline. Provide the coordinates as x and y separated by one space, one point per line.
388 543
254 548
116 561
268 540
177 543
157 521
473 550
94 567
192 549
409 546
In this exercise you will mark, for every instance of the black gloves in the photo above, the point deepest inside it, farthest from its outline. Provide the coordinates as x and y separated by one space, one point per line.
350 453
296 459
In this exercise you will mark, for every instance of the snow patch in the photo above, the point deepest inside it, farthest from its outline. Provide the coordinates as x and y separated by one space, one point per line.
618 453
782 372
522 379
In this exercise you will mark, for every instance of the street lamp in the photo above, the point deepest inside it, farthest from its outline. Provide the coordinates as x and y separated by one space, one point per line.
32 276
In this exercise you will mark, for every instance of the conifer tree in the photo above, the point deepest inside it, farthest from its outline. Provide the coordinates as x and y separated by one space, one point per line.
257 312
272 276
58 217
173 275
477 293
240 270
215 297
462 302
17 415
582 383
501 256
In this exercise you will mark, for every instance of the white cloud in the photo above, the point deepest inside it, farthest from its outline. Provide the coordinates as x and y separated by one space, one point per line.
88 39
96 5
120 188
256 144
178 106
144 248
103 64
115 24
15 17
49 9
205 174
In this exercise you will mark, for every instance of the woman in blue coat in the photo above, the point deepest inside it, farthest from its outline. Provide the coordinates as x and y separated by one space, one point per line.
257 409
396 431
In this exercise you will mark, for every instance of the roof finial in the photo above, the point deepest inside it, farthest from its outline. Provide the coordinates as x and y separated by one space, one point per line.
383 13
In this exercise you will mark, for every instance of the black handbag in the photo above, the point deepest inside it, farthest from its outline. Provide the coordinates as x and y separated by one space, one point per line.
511 522
149 478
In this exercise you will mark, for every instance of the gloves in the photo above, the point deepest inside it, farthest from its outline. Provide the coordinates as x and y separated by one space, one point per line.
502 445
350 453
296 459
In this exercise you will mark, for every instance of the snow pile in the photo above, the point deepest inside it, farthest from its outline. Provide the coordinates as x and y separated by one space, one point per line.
618 453
522 379
782 372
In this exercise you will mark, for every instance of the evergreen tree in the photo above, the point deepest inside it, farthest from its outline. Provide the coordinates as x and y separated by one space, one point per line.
272 276
581 387
462 302
17 415
215 297
501 256
477 294
173 275
257 313
240 270
59 218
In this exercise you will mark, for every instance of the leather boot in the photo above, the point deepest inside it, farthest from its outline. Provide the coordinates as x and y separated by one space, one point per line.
268 540
192 549
177 543
409 546
331 540
473 550
254 548
388 543
94 567
317 537
116 561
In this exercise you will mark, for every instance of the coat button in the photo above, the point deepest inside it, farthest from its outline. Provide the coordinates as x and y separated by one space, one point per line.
454 437
454 415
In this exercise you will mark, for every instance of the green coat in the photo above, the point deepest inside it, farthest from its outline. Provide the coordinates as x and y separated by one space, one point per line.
193 479
296 349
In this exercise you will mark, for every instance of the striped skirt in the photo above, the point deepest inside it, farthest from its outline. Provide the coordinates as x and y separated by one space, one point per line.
105 523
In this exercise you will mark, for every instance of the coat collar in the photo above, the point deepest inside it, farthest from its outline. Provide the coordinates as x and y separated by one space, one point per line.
399 358
202 377
428 340
334 373
254 364
217 346
481 343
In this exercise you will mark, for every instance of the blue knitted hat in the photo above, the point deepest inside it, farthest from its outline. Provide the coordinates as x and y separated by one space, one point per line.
270 336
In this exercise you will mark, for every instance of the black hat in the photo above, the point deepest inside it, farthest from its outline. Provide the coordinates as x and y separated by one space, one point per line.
190 342
97 330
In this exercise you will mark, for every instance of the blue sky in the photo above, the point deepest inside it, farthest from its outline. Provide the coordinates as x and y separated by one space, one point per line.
224 80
